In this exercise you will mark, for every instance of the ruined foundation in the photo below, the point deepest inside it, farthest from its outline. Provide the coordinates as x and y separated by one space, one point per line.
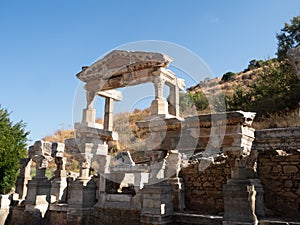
203 169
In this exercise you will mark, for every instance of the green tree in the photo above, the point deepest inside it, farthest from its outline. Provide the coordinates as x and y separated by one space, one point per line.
276 89
200 100
289 37
13 139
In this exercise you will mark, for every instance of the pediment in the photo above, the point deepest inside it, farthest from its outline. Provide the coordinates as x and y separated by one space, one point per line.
119 62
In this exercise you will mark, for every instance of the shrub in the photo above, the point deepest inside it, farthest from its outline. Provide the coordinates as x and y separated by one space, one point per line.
195 100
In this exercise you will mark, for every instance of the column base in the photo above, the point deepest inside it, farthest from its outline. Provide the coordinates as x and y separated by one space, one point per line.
159 107
157 205
156 219
239 202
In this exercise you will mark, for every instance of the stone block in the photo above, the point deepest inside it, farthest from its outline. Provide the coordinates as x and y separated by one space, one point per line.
290 169
114 94
288 183
4 201
277 169
89 115
41 148
264 169
289 195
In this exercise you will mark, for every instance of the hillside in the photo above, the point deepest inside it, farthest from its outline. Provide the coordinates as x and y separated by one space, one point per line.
240 79
270 88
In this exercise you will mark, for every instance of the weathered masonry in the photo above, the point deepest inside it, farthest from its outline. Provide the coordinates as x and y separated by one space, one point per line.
202 169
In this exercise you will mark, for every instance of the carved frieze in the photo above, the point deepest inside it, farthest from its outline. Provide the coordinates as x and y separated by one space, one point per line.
120 61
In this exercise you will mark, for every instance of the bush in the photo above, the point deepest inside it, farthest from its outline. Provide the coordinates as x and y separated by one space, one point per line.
13 139
227 76
276 89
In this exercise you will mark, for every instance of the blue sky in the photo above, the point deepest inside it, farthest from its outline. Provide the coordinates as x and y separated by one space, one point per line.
45 43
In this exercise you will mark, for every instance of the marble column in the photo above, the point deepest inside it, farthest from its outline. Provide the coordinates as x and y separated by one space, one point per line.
174 101
108 115
159 105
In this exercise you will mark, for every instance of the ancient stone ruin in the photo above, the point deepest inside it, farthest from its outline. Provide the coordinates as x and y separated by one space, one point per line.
202 169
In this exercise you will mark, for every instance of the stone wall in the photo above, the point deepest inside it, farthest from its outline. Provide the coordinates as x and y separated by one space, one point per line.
204 174
58 218
203 189
280 177
279 170
192 218
277 139
57 214
17 215
113 216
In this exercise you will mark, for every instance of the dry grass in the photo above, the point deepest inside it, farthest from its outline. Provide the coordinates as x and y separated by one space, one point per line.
241 79
278 120
60 136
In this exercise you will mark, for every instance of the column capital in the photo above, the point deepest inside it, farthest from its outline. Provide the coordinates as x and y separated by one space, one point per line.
159 83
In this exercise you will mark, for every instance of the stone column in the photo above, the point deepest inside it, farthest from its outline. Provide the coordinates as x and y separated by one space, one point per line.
38 189
59 183
38 194
103 162
173 162
174 101
82 190
239 192
108 116
239 197
91 140
159 105
23 178
110 97
89 114
157 207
